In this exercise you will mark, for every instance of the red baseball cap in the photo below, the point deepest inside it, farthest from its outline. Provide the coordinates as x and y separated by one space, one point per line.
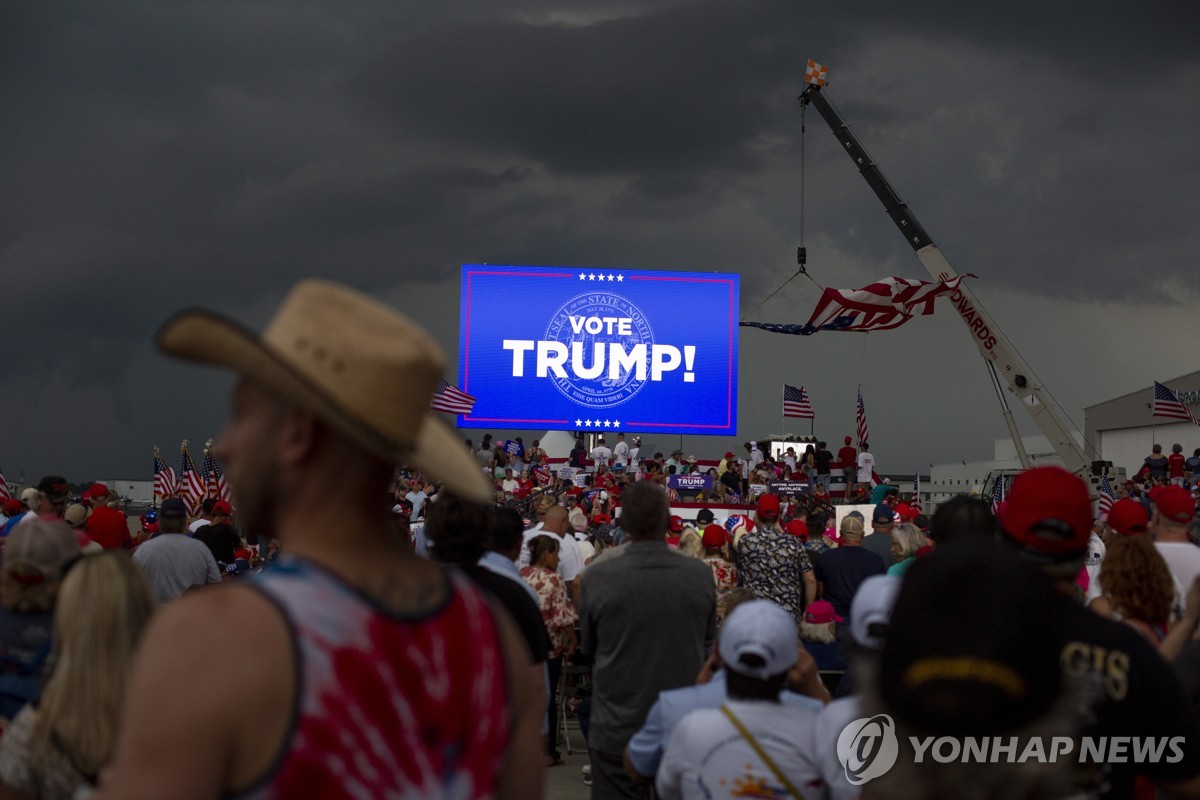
728 455
96 490
1174 503
714 537
797 528
1048 510
222 507
1128 517
676 524
768 506
848 440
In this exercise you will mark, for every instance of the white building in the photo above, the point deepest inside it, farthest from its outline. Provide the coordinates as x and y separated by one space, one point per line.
1124 429
967 477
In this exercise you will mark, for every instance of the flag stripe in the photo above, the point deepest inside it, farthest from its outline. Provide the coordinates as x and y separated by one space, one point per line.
452 400
1167 404
861 419
191 488
1106 497
796 404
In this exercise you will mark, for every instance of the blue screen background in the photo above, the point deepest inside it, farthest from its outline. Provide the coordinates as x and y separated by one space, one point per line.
680 309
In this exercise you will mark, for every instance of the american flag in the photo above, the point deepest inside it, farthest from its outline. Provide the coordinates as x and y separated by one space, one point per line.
191 484
215 484
452 400
1167 404
861 416
5 494
795 403
882 305
916 495
1106 497
165 484
998 494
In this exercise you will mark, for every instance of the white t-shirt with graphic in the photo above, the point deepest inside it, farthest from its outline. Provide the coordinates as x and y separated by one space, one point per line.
706 757
866 465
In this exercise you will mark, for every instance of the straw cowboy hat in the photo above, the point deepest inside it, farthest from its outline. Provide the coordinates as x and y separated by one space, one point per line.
361 367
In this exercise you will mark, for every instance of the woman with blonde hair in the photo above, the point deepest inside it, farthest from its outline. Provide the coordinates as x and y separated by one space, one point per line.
907 539
52 749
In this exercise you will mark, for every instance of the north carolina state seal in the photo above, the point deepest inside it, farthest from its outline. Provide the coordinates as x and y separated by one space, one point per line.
567 325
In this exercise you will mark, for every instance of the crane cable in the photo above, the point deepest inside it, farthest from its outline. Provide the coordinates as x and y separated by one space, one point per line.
802 253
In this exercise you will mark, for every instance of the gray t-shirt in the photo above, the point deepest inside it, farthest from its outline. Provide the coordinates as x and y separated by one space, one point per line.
174 563
881 545
645 618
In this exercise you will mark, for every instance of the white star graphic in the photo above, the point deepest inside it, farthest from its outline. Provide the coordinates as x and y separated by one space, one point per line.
616 423
587 423
607 424
582 276
591 276
578 423
620 278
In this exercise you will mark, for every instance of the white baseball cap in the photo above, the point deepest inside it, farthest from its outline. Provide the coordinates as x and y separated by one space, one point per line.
872 608
763 629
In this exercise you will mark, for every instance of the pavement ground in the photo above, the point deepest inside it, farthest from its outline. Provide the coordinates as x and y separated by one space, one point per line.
565 782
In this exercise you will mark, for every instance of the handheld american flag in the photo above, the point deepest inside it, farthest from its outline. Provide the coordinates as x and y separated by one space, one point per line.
1167 404
1106 497
815 73
191 485
5 493
165 484
860 414
215 484
916 495
452 400
998 494
796 404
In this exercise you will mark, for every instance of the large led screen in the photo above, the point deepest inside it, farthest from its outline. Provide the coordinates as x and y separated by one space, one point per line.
561 348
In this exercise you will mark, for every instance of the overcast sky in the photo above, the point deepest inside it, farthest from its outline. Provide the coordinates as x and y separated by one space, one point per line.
159 155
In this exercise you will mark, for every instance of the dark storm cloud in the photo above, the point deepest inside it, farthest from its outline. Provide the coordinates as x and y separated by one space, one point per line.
157 156
671 90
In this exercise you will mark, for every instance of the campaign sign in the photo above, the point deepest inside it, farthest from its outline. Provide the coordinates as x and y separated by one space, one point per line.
615 349
690 483
792 488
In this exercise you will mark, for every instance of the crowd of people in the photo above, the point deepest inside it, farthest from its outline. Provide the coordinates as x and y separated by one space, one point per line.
415 637
519 471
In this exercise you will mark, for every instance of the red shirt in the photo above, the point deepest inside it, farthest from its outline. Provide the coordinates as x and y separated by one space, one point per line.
847 456
1175 465
107 527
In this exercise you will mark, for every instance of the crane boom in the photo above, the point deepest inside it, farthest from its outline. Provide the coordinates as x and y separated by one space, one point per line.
997 351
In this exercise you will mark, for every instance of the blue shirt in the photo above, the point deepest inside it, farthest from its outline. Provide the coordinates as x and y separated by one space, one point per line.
648 744
502 565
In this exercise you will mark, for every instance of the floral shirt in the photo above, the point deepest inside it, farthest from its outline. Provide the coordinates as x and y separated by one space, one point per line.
557 611
724 579
772 566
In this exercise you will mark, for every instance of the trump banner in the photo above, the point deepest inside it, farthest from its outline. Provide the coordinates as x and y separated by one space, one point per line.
563 348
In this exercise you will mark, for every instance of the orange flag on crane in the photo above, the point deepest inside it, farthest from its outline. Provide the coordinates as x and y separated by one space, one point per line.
815 73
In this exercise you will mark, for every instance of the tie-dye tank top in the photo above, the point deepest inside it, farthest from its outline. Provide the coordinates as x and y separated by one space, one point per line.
412 707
